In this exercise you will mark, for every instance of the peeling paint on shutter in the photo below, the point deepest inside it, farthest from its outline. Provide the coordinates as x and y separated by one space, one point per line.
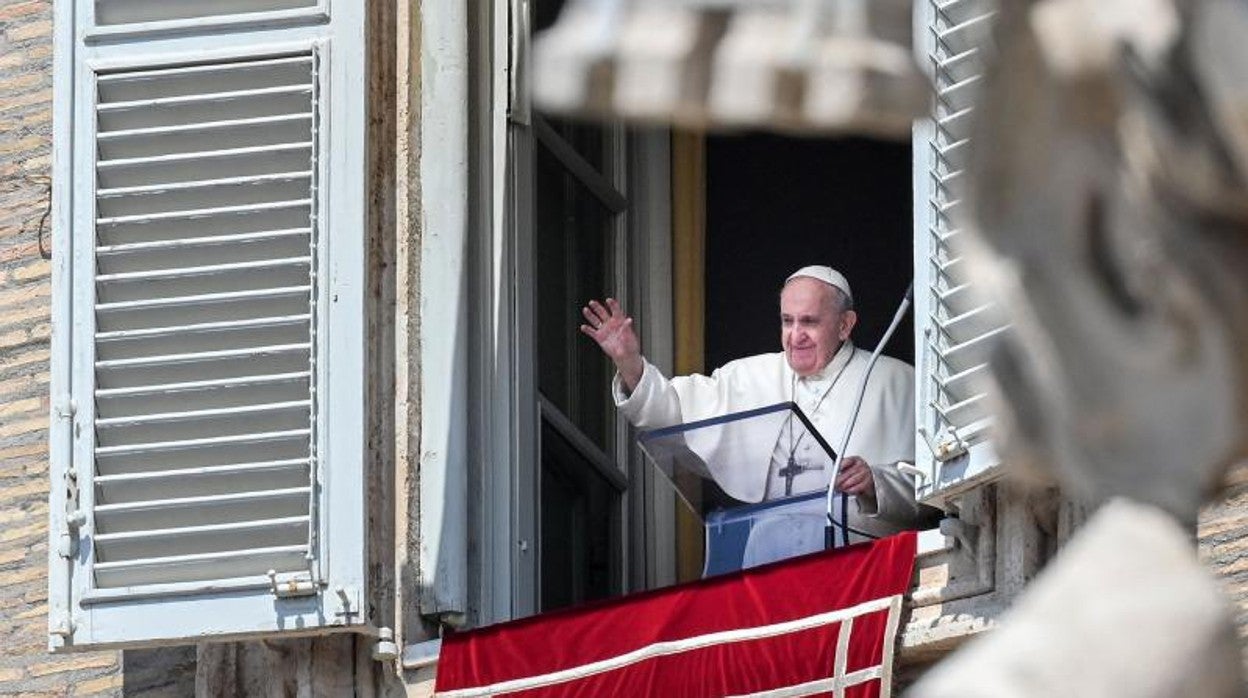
952 328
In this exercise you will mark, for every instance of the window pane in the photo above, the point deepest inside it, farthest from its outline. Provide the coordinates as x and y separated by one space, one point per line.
589 141
574 264
580 527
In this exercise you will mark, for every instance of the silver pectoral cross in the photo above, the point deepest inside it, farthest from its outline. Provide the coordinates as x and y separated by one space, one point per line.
792 470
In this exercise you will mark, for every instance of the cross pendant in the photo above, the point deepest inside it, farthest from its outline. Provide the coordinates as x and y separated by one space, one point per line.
792 470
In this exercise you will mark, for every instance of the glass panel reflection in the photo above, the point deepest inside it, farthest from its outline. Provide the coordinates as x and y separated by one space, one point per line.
704 463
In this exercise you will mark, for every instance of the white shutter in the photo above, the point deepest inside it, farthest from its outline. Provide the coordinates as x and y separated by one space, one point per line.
208 369
952 326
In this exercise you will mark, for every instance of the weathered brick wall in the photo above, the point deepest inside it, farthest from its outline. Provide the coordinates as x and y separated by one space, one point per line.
1223 533
26 668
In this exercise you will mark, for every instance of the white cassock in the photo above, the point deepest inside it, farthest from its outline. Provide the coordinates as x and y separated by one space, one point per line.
883 436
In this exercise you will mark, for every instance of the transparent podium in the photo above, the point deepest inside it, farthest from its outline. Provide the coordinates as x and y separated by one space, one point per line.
757 481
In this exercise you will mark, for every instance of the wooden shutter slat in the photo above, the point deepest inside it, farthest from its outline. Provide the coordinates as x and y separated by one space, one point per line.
233 366
214 452
259 250
163 197
204 327
179 341
200 213
177 508
204 136
244 342
190 415
968 325
234 396
205 298
181 245
167 484
169 187
281 276
202 356
185 444
171 168
148 547
144 433
211 99
188 531
106 138
207 270
182 79
204 158
203 566
231 382
279 215
120 12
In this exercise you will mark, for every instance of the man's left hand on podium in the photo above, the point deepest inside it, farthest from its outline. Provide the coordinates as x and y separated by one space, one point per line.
855 478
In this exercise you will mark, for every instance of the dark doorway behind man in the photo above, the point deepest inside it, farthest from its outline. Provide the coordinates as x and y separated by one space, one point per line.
774 204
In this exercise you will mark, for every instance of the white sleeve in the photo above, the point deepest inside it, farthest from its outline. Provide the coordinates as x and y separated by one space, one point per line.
653 403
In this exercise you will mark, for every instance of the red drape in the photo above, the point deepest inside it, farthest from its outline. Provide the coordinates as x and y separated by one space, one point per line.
714 637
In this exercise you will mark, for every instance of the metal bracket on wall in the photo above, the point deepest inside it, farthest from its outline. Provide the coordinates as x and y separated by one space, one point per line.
970 551
965 535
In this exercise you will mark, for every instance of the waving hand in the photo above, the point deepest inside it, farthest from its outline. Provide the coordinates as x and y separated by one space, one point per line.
613 331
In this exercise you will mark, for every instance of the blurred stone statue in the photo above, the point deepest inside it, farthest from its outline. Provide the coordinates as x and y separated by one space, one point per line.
1109 217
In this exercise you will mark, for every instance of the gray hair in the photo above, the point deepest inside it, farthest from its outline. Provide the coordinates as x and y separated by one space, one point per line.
842 299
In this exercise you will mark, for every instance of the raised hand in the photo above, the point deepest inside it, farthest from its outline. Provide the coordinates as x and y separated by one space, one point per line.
613 331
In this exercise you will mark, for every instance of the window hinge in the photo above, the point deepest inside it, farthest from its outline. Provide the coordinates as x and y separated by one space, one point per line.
76 520
65 408
67 543
294 586
63 628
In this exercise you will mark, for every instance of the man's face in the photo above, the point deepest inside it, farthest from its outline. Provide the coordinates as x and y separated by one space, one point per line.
812 325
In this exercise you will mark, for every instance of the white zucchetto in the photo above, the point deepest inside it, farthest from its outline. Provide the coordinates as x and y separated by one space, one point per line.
827 275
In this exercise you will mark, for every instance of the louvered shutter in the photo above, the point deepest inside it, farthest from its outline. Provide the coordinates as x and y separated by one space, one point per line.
208 368
952 326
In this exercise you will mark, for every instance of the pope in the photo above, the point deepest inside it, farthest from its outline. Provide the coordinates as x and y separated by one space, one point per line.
820 370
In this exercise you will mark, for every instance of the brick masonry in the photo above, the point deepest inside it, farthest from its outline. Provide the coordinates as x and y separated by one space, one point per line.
1223 533
26 668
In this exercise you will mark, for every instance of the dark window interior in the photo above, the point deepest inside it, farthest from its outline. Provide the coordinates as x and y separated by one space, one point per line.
580 527
775 204
574 262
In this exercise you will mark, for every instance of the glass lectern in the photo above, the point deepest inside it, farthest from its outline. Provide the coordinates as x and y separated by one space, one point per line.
757 480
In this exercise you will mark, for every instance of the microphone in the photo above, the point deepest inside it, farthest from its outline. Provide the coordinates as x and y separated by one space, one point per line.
843 523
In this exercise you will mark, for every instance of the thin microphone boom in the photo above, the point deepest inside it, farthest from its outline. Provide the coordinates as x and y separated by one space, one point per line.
853 420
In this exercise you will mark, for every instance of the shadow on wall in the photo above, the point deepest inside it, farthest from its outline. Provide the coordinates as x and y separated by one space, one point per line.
160 672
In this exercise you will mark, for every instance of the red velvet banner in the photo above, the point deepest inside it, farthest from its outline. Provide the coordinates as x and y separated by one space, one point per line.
759 630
